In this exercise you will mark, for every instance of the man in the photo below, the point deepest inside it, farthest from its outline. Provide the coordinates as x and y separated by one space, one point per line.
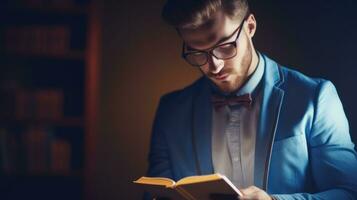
276 133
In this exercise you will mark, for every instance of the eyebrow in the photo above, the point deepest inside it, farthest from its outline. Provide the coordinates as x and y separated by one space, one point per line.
224 39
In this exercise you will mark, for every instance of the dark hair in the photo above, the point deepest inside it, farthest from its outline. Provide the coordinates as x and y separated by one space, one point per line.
194 13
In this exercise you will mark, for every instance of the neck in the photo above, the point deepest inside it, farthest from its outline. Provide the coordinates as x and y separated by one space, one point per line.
252 67
254 62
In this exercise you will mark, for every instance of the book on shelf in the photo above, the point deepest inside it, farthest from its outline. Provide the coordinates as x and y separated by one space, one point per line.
36 140
60 156
3 154
45 40
212 186
7 103
49 104
39 104
12 160
24 105
34 151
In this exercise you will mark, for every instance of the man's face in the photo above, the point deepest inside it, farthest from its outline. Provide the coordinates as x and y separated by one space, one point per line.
227 74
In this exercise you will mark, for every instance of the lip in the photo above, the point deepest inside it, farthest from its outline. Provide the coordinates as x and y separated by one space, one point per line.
221 77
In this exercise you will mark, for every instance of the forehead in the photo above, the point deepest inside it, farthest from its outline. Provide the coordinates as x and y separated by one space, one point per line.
215 29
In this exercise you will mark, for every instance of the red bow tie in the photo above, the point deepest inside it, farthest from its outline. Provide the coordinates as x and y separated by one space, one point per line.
219 101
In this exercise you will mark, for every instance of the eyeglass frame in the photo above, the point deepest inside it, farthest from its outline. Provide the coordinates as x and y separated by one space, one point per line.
209 52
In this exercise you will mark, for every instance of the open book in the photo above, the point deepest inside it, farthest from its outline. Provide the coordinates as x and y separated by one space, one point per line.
213 186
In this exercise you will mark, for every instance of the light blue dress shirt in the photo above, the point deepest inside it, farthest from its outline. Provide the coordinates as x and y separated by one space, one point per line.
234 132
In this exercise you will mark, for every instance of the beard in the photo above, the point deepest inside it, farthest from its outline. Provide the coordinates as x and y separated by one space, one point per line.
238 70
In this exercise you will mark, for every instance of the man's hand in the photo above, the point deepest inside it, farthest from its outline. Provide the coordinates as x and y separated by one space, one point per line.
254 193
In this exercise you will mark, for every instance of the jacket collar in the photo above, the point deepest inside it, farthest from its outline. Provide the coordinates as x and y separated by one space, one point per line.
268 121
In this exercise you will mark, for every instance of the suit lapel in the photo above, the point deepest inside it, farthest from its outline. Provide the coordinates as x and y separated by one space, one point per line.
269 116
202 129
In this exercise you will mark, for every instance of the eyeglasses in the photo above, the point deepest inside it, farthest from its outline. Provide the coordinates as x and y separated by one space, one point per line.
223 51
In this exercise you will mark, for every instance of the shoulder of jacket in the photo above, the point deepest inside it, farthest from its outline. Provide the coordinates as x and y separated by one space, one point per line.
186 93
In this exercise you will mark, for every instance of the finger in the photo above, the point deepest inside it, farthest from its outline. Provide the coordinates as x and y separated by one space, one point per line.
249 190
252 196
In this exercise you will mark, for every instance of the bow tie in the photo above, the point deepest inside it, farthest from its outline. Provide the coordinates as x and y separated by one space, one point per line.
219 101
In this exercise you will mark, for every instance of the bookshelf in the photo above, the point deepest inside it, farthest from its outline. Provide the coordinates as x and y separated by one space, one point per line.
49 87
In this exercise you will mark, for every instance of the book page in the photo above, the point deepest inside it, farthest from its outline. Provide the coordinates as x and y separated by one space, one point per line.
198 179
156 181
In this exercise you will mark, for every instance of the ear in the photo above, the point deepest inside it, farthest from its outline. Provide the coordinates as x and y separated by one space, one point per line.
251 25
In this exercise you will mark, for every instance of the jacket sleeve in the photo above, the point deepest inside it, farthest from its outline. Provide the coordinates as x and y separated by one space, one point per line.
159 160
333 159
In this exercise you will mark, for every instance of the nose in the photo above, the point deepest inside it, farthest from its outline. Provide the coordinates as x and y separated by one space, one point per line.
215 65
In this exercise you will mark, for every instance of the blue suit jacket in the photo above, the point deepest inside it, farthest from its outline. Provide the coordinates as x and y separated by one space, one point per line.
303 146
